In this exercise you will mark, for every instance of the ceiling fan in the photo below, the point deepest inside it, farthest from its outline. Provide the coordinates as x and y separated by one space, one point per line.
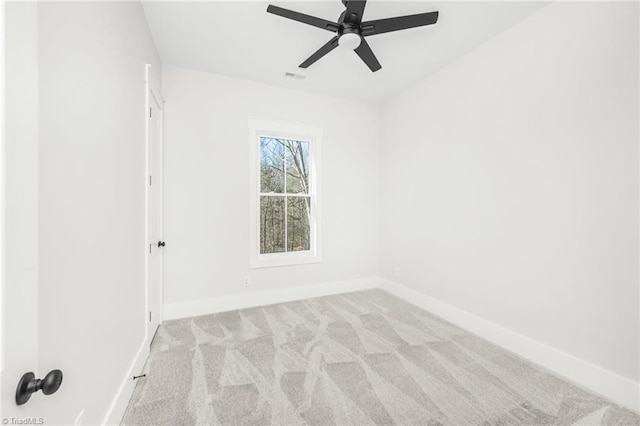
351 31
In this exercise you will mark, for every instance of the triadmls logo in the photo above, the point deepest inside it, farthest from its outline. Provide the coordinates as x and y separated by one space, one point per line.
22 421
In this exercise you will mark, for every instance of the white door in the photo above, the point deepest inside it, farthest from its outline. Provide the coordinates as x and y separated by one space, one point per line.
19 260
155 240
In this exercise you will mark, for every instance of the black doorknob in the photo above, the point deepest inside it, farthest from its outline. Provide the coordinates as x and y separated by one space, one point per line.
28 384
161 243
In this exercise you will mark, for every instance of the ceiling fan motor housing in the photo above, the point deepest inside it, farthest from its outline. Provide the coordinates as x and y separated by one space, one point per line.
349 29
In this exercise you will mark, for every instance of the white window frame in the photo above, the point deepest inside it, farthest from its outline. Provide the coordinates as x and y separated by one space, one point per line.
299 132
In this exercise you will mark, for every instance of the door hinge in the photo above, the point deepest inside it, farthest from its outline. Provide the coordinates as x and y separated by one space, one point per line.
149 180
150 109
149 248
149 316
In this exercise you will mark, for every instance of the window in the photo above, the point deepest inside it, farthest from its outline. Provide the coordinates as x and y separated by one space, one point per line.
285 201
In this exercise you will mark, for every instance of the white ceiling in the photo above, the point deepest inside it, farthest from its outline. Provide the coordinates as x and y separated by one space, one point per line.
240 39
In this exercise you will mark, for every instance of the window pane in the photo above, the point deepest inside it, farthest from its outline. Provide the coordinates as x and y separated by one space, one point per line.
272 225
272 165
298 229
297 161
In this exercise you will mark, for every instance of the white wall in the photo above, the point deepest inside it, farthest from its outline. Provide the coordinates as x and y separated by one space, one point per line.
207 182
510 183
92 59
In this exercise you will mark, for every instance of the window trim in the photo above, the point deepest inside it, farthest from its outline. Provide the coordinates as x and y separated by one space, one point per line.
294 131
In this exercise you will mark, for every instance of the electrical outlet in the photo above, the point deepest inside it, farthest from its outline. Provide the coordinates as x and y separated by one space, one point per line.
246 281
396 271
78 421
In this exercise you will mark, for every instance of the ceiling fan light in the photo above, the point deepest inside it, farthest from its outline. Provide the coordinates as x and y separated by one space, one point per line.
349 41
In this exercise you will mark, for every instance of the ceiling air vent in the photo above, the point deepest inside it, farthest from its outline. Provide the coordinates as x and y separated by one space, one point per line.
294 75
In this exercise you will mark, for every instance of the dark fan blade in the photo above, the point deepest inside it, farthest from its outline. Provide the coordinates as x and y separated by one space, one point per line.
301 17
331 44
380 26
355 9
366 54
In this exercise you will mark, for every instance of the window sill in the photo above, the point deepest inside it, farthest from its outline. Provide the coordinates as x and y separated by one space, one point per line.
283 259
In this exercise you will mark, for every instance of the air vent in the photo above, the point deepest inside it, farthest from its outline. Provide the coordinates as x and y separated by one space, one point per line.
293 75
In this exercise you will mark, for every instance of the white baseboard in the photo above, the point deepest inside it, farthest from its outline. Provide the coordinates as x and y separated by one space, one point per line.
119 404
249 300
619 389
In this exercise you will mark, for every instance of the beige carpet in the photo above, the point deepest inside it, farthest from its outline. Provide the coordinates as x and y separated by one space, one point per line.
352 359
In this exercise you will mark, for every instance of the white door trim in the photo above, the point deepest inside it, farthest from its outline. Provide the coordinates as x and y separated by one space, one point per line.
153 92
